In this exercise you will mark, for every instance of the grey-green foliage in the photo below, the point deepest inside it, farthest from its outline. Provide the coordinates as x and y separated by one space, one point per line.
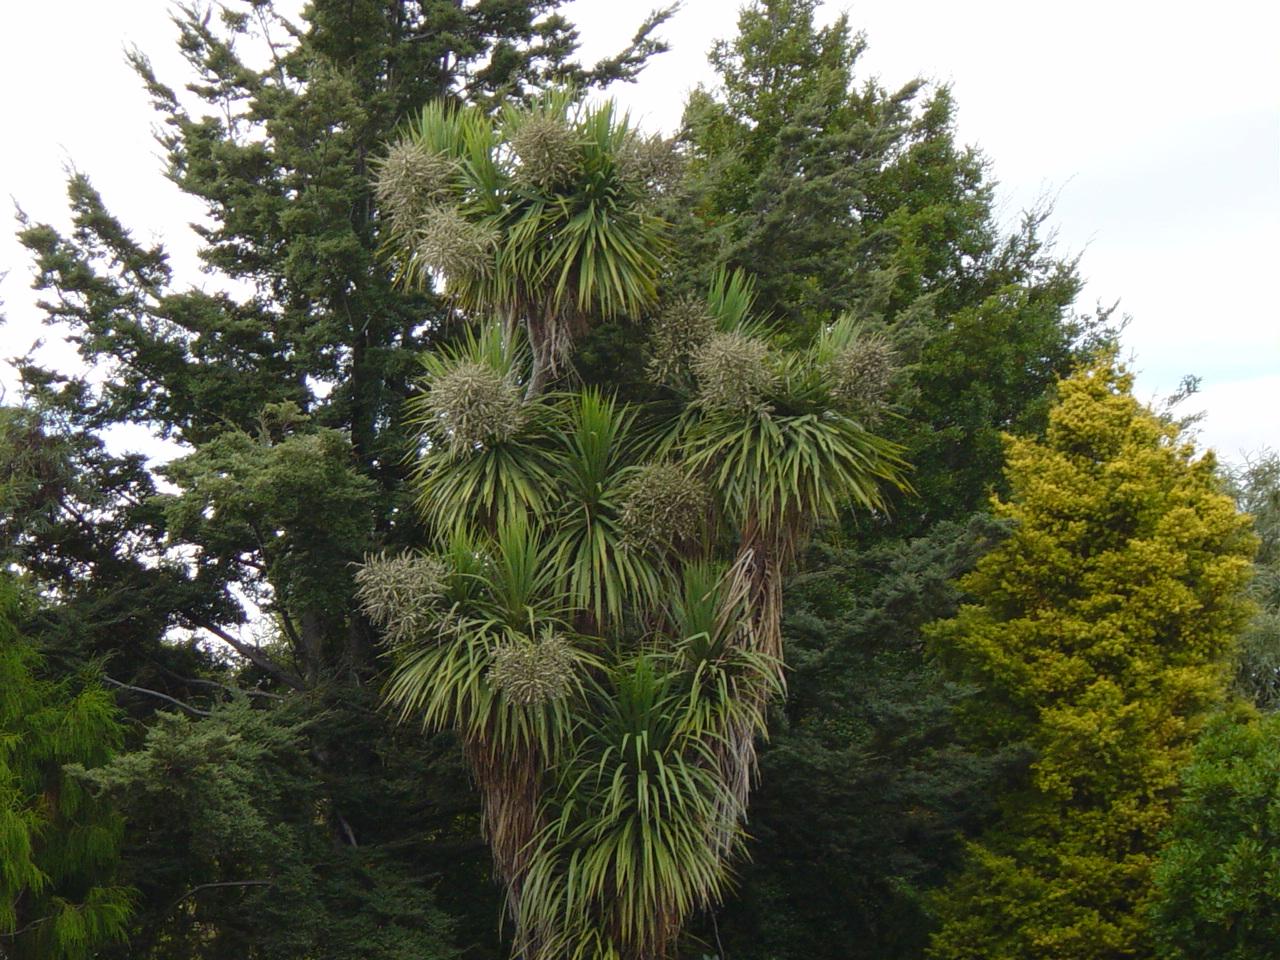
470 405
678 329
291 496
534 672
401 595
227 839
733 371
1257 489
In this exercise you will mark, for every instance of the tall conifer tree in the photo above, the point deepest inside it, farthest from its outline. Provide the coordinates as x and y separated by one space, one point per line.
845 195
1099 634
287 393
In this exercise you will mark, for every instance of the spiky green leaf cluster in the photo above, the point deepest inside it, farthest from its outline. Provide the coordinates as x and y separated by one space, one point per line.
547 227
614 640
602 568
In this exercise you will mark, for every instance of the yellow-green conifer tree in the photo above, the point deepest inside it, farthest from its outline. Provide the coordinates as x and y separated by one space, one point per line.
1097 634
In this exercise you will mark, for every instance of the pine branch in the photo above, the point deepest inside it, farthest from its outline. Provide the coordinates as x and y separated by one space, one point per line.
221 686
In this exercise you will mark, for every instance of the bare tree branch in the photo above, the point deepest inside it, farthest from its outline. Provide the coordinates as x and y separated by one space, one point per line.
156 693
254 655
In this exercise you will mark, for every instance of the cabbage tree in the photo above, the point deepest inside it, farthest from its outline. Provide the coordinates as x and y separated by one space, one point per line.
598 612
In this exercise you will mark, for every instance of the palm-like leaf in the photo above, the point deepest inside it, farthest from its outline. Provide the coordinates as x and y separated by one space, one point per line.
600 572
772 469
730 299
482 482
608 688
624 855
505 593
511 596
730 679
566 248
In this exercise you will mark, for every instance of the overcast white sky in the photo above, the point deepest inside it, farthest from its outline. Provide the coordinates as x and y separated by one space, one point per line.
1155 125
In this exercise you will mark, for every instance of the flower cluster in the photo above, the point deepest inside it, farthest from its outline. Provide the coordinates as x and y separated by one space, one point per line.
648 161
546 150
860 374
472 405
452 244
533 672
677 331
402 595
734 373
411 181
663 507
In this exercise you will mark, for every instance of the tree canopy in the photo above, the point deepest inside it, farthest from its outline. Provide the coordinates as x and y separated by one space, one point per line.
1217 883
558 519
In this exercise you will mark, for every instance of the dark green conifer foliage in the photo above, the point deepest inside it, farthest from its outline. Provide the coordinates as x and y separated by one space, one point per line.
842 196
59 843
837 191
281 156
287 393
847 196
868 781
1217 882
1099 633
240 793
